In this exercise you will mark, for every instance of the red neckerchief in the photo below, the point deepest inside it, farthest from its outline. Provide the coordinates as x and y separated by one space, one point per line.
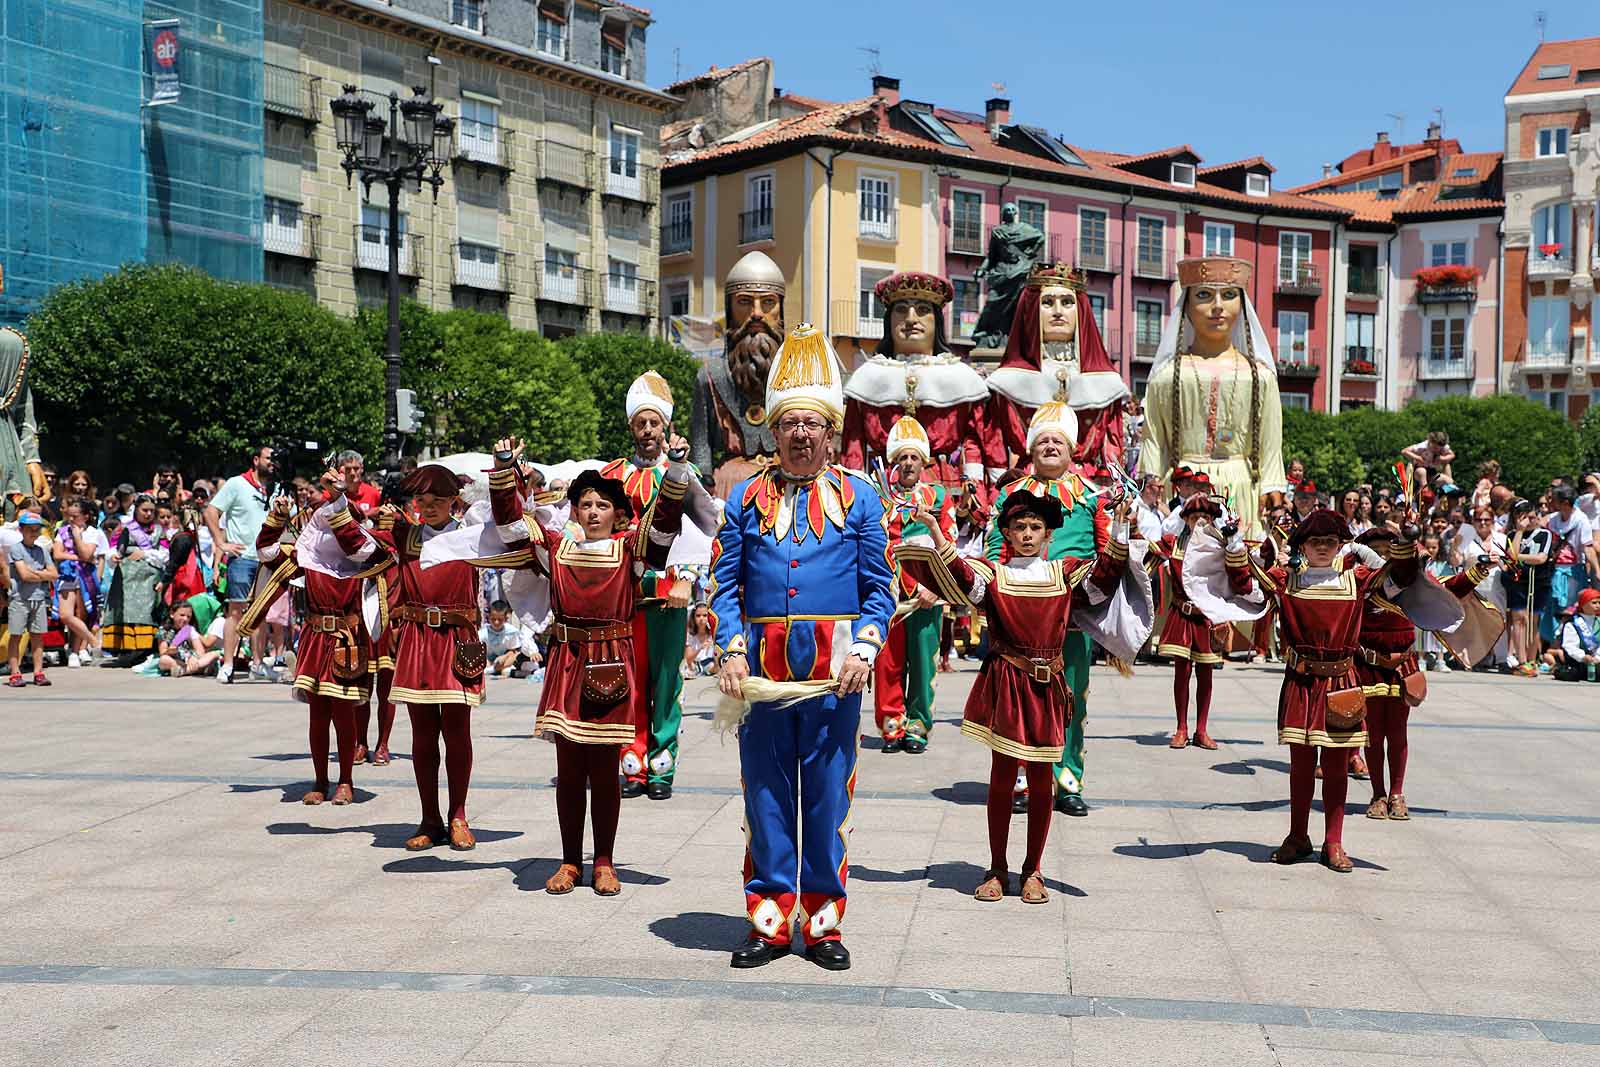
250 476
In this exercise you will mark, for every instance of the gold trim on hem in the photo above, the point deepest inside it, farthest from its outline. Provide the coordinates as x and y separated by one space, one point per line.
304 683
1291 735
402 695
1007 747
553 724
1184 652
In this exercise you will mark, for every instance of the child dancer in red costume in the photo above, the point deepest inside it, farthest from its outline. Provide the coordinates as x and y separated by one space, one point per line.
1186 636
1020 703
591 673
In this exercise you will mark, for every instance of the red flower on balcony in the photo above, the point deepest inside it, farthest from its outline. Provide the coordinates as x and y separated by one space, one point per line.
1550 251
1361 366
1447 277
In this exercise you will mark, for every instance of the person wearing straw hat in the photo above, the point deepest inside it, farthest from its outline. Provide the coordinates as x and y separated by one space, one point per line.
903 673
802 592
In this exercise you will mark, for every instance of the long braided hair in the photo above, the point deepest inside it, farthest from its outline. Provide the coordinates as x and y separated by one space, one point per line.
1255 387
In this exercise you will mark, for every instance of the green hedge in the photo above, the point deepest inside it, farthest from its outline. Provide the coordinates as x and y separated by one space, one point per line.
1532 443
152 362
611 361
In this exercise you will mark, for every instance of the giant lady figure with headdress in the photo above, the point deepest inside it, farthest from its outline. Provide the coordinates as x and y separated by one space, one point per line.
1212 402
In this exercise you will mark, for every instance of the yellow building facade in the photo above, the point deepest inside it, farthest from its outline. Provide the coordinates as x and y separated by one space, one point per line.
834 235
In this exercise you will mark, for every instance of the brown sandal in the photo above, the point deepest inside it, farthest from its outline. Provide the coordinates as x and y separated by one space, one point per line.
313 798
1033 891
1203 740
1397 808
1179 740
993 886
1293 850
426 837
360 754
1335 859
606 882
343 795
381 758
565 880
461 836
1379 808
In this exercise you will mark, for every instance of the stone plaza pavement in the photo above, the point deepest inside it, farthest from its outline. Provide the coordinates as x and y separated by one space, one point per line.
167 900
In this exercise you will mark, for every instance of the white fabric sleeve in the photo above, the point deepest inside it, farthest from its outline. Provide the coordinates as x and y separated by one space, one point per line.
864 650
1570 644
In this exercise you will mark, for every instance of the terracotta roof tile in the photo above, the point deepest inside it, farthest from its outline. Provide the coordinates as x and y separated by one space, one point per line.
812 102
1239 164
1424 199
1579 55
1370 171
1161 154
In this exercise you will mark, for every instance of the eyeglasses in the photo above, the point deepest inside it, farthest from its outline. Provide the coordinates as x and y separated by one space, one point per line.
810 426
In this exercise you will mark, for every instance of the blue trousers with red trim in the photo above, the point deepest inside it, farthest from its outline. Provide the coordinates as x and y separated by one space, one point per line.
799 769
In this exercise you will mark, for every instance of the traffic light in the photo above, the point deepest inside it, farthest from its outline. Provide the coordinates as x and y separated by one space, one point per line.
407 417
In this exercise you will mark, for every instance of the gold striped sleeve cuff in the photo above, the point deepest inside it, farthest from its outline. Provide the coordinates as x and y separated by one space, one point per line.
1116 549
341 518
1403 550
503 478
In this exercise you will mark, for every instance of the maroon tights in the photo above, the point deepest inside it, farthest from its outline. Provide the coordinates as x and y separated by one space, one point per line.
1386 726
580 766
1041 795
1202 693
430 722
385 712
341 715
1303 785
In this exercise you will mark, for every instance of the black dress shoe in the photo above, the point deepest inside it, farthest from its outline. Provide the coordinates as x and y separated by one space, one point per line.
631 789
1071 804
756 953
1019 803
893 746
915 745
831 955
659 791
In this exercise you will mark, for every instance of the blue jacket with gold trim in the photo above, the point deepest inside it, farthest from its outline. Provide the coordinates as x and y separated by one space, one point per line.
800 569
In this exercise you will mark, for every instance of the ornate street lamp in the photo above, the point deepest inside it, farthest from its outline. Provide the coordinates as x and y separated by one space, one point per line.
406 152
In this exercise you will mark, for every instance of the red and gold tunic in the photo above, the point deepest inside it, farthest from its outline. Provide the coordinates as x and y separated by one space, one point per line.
1020 703
1187 632
594 585
424 655
1320 613
326 595
1386 632
934 499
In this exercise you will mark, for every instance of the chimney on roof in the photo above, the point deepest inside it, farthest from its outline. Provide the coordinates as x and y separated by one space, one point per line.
887 88
1383 136
1327 170
1433 134
996 113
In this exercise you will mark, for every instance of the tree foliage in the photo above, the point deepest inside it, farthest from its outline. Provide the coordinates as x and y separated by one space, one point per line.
1318 439
155 362
1589 438
611 361
478 379
1532 442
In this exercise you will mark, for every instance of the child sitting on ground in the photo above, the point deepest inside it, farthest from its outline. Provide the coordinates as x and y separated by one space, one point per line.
180 646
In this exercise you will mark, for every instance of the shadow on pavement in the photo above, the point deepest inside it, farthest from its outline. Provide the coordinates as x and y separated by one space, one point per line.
704 930
958 876
293 791
1254 851
384 834
1249 766
529 874
976 793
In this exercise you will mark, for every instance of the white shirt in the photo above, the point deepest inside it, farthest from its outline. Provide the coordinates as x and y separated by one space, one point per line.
1572 633
1575 531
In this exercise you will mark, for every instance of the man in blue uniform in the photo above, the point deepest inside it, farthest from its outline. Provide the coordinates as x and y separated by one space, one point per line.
802 589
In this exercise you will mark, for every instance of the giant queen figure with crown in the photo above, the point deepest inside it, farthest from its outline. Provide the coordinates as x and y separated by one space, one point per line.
1212 404
914 373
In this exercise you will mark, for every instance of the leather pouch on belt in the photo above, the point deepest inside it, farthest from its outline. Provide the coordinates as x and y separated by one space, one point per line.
605 682
349 665
1414 688
470 660
1346 708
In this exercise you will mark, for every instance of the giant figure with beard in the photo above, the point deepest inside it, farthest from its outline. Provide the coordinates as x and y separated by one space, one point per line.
729 394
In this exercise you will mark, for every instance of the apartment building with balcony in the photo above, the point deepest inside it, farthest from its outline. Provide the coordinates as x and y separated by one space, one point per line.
1419 303
549 211
1552 179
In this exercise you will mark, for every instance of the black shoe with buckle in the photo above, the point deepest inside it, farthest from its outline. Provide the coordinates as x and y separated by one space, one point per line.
1071 804
894 745
756 952
659 791
915 745
830 955
631 789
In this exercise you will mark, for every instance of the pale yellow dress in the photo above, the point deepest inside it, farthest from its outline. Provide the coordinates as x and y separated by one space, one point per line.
1214 431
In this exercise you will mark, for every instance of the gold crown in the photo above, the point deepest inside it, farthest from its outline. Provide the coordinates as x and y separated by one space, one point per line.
1214 270
915 285
1044 274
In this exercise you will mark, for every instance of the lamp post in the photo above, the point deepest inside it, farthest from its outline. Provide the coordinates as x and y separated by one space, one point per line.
409 150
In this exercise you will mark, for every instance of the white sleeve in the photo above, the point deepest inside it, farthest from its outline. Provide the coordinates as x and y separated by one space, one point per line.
866 651
1570 643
